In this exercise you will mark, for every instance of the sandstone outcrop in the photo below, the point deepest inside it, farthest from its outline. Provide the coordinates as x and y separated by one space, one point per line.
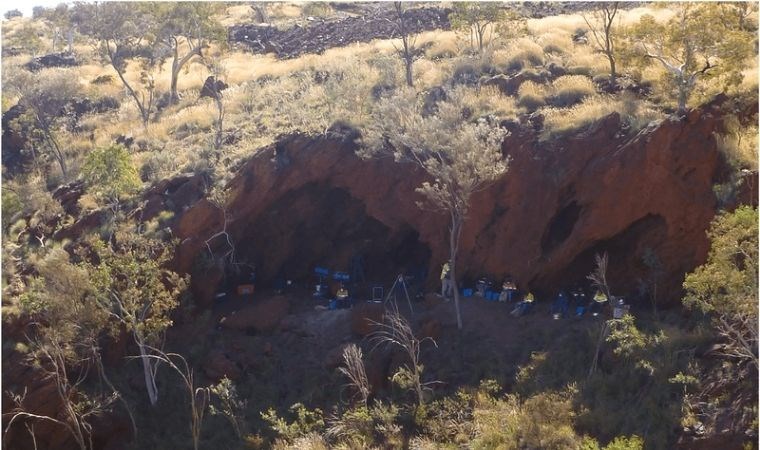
308 201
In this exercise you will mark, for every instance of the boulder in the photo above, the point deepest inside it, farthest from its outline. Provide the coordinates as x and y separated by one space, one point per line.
62 59
261 317
212 87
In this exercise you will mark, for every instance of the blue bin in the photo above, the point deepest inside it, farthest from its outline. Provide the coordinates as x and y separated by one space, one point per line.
322 271
333 305
467 292
579 310
341 276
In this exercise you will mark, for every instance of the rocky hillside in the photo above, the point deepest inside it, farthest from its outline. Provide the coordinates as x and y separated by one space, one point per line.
310 200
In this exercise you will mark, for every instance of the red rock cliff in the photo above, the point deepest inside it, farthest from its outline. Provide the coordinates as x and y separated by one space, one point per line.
310 200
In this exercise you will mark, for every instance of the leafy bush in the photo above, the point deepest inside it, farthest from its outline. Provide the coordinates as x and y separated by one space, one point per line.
570 89
304 422
367 427
531 95
542 421
109 173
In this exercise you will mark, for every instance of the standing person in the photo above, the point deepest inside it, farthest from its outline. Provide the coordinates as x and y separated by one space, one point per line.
600 299
446 284
508 290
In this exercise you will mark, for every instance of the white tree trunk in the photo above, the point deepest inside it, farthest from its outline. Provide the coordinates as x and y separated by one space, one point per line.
150 378
456 226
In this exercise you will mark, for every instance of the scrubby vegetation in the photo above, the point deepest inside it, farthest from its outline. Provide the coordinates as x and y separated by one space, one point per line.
156 91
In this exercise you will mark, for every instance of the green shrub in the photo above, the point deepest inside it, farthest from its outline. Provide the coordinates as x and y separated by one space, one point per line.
542 421
366 427
304 422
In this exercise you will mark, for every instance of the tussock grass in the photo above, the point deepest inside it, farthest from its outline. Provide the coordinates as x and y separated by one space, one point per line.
557 41
583 60
519 54
570 89
531 95
487 100
442 44
634 113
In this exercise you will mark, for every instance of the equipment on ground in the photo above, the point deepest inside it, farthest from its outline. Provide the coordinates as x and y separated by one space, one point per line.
245 289
377 294
320 290
399 284
621 309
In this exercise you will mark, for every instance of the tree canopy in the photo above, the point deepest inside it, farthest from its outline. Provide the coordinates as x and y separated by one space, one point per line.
691 46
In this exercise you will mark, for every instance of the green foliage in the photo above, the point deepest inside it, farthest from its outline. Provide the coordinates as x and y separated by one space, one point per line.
109 173
367 427
11 205
726 286
11 13
228 404
449 419
632 345
477 18
544 421
304 422
692 47
727 282
626 443
133 283
45 98
27 38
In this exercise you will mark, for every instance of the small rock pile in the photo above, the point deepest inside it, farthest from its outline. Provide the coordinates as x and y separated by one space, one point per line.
322 34
63 59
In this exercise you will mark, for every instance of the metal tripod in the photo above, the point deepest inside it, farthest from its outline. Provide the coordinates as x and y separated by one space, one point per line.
399 282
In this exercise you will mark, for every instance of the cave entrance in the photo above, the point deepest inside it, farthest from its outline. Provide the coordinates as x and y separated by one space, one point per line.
322 225
625 251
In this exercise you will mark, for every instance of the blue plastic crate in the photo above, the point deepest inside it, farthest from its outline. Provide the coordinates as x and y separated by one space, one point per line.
467 292
492 296
341 276
333 305
323 271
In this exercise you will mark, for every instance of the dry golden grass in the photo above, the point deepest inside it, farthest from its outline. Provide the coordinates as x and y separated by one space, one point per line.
569 89
635 113
552 24
532 95
583 60
441 44
571 22
487 100
557 41
428 74
519 54
739 144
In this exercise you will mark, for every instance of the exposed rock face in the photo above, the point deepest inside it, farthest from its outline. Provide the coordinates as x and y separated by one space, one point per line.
378 22
309 201
13 142
63 59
